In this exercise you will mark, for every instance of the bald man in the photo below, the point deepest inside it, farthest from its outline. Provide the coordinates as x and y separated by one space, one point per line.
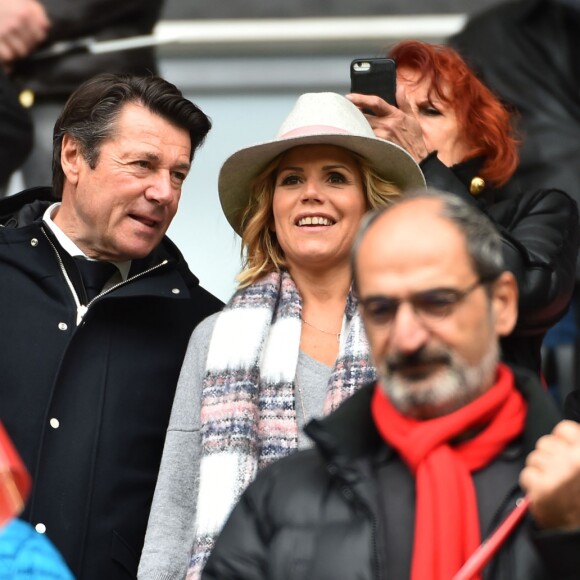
410 474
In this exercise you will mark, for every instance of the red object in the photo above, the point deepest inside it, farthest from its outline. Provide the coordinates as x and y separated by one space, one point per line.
446 517
491 545
14 479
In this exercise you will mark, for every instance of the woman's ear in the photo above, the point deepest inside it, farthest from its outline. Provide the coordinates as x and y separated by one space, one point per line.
504 302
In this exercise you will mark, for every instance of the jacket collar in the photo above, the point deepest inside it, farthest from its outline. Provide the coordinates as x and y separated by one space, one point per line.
349 433
470 168
26 207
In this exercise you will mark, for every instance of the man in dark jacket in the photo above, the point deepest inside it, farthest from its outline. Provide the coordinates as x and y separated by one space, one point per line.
41 44
89 367
410 474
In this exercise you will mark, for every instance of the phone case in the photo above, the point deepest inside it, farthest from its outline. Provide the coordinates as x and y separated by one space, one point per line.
374 76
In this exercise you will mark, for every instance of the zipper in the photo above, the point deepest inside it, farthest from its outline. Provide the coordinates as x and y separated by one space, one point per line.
81 308
512 497
352 497
510 500
124 282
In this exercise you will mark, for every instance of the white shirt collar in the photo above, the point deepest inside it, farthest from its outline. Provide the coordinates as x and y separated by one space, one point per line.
70 247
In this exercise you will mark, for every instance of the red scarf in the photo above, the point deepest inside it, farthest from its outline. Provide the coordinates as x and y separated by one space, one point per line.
446 516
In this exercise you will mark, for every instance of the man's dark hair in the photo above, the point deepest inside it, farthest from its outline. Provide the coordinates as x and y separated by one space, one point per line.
484 244
91 112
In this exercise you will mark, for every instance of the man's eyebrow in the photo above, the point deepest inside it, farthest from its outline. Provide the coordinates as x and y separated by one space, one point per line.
150 156
416 293
377 298
182 167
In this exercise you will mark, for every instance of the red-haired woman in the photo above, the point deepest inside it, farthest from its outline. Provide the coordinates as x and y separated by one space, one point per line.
461 135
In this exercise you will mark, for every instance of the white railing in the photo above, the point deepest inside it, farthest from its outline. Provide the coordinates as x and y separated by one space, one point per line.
300 34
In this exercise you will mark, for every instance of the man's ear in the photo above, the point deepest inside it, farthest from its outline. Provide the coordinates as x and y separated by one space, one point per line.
71 159
504 303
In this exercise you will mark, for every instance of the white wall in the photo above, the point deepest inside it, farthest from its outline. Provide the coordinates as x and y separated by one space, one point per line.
209 244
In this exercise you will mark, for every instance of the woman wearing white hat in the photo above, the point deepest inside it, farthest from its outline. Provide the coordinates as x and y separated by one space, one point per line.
289 345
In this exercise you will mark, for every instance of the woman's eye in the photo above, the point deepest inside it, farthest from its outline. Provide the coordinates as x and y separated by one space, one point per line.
336 178
430 111
290 180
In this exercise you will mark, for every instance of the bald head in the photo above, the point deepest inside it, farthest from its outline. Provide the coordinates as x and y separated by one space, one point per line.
482 241
411 235
434 300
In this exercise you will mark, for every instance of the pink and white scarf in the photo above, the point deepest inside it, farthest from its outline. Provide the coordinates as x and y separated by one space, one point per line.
248 414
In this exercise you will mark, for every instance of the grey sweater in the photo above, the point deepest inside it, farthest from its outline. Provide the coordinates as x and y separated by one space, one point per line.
170 531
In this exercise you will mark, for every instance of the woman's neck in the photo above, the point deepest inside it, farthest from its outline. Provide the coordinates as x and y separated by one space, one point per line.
324 297
322 288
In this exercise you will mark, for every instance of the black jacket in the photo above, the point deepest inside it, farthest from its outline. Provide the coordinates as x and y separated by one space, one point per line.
56 77
572 406
526 51
87 406
345 510
540 235
15 130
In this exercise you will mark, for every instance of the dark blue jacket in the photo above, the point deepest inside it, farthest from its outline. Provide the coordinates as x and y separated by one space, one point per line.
87 406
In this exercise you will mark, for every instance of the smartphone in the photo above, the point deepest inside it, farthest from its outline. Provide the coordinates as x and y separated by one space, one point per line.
374 76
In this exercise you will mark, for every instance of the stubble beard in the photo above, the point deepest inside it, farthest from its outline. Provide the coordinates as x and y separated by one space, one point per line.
448 389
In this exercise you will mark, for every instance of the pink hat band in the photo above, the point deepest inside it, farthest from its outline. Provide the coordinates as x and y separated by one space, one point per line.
313 130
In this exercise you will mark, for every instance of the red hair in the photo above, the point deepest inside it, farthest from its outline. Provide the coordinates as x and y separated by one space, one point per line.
484 121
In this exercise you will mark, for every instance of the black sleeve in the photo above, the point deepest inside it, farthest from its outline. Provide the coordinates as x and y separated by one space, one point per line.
540 236
572 406
74 19
240 552
15 130
559 551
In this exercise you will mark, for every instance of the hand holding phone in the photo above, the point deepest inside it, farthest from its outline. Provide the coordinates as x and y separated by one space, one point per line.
374 76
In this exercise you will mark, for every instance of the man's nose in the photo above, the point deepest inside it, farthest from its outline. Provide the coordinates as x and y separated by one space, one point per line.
408 332
161 189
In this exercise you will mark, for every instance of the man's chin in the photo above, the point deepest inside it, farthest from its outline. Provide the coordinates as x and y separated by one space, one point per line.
136 249
419 376
423 393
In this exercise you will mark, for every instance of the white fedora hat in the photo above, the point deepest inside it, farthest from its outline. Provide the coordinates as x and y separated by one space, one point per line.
317 118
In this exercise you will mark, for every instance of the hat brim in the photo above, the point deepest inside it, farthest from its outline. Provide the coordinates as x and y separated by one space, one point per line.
390 162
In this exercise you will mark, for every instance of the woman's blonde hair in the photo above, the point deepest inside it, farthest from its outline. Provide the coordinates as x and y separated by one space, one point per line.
261 252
